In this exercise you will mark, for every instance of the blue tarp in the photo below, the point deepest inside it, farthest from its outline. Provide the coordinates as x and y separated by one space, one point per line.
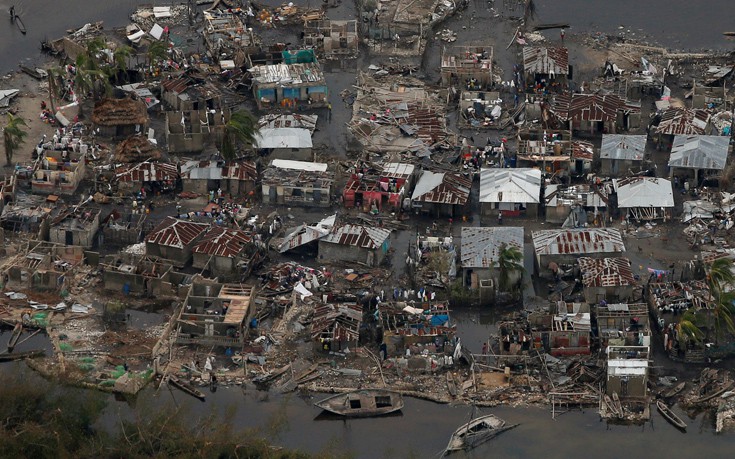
439 320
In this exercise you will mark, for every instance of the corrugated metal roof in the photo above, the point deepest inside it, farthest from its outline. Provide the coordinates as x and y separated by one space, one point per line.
147 172
299 165
244 170
568 195
625 147
172 232
222 242
177 85
283 138
543 60
583 150
577 241
644 192
202 170
397 170
366 237
480 247
287 74
606 272
442 188
522 185
683 121
699 151
589 107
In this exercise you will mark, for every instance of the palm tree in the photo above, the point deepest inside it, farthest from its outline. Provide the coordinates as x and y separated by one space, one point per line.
690 326
13 136
509 267
157 51
120 62
242 128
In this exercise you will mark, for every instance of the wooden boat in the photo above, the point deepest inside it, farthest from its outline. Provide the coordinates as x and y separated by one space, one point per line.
477 431
728 34
708 397
22 355
15 336
186 387
674 390
669 415
363 403
618 404
36 73
20 24
451 385
611 406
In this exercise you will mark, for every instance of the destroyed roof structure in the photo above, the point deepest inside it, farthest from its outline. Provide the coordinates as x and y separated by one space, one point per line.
214 314
235 177
119 117
539 60
75 227
441 188
189 91
134 175
221 249
288 120
625 147
584 111
285 143
136 148
227 37
565 245
397 118
336 327
58 172
189 131
174 239
460 63
699 152
299 183
364 244
480 246
609 279
568 204
645 198
304 234
42 265
390 182
332 39
683 121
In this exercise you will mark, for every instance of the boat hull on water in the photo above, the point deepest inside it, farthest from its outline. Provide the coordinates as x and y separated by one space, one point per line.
363 403
477 431
675 390
670 416
186 387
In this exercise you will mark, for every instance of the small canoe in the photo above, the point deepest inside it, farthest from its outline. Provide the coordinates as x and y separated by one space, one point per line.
36 73
669 415
477 431
611 406
451 385
186 387
728 34
15 336
717 393
363 403
674 390
20 24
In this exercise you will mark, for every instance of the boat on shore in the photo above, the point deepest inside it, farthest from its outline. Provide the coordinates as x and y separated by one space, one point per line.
22 355
37 73
476 432
363 403
669 415
186 387
15 336
674 390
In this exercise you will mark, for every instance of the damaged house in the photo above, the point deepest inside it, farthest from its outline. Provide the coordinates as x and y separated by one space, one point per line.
43 266
606 279
306 235
391 184
136 148
677 121
174 240
190 131
469 67
332 39
479 255
574 205
697 156
627 372
399 115
227 39
285 143
297 81
596 113
355 243
58 172
441 193
645 198
297 183
546 64
226 252
565 330
118 118
514 192
232 177
75 227
189 92
153 176
623 324
336 327
214 314
123 229
137 275
563 246
620 154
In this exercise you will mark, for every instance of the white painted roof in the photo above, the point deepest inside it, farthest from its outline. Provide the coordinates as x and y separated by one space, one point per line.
427 182
283 138
480 247
644 192
699 151
624 147
510 185
299 165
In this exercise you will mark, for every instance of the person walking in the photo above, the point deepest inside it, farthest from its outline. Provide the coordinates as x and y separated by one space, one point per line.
500 217
562 37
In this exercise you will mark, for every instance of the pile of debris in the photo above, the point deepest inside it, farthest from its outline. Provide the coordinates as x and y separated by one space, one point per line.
711 385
